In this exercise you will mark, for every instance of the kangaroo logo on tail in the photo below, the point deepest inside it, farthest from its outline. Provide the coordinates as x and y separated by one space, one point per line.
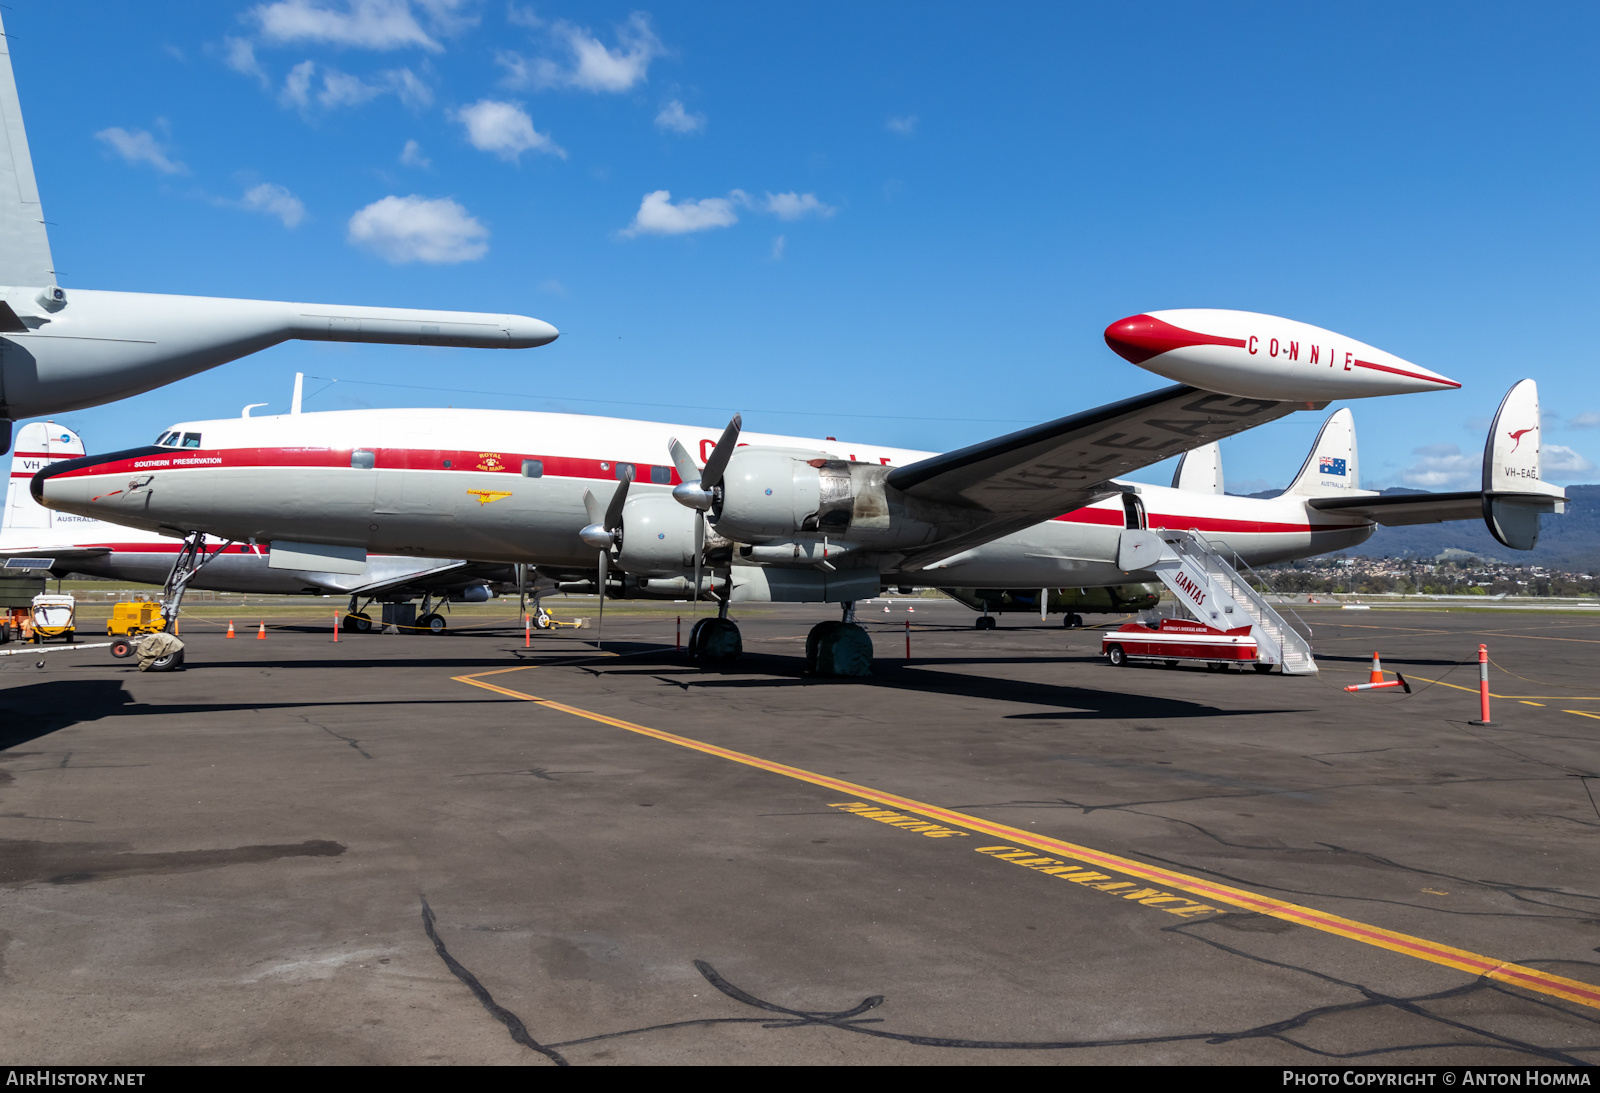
1517 436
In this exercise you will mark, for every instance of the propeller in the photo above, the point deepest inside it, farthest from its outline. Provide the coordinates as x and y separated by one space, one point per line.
699 489
604 531
1044 605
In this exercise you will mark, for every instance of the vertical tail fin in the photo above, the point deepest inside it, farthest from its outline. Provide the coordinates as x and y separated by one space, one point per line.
39 444
1332 467
1199 470
24 244
1512 466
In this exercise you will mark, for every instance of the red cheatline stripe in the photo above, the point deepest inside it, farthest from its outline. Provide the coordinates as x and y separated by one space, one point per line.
1530 978
1410 375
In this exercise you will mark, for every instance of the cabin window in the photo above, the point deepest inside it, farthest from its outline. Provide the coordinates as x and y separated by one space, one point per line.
533 468
446 464
661 476
191 440
363 459
625 471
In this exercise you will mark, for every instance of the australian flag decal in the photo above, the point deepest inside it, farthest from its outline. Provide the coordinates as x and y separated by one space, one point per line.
1330 465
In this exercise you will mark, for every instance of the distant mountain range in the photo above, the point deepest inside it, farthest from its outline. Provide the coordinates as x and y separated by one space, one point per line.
1569 542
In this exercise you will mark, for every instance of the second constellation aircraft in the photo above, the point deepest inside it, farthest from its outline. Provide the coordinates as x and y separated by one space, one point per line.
62 350
778 518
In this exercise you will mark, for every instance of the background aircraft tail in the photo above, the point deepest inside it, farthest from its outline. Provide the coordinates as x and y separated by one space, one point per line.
39 444
1332 468
1199 470
24 245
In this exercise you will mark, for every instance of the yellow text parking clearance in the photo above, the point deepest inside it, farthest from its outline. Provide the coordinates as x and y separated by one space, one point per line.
1100 882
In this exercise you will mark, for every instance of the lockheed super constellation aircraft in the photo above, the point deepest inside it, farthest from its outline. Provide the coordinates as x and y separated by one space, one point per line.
779 518
62 350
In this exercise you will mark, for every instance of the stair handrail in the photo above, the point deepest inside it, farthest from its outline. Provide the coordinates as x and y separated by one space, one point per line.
1244 568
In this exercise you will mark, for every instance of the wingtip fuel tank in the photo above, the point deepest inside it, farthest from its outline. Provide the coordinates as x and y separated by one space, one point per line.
1251 355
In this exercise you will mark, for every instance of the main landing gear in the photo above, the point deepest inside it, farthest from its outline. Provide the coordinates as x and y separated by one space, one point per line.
1071 621
839 650
717 639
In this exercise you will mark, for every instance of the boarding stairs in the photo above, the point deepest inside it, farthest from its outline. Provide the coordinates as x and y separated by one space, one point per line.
1215 593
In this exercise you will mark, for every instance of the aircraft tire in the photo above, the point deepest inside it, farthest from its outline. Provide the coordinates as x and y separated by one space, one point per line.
1117 657
122 648
357 623
1072 621
838 650
169 663
719 640
433 623
985 622
543 621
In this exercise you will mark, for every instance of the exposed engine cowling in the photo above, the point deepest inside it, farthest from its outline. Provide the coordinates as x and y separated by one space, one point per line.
776 493
657 536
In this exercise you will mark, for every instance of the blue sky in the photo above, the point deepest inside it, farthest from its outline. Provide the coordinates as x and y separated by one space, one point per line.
900 222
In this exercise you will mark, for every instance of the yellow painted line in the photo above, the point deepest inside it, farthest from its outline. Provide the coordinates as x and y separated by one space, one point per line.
1532 979
1583 713
1552 698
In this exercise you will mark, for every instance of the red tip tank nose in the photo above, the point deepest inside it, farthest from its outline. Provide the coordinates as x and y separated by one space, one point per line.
1140 337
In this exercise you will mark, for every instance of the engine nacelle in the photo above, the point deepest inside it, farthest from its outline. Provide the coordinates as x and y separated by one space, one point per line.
776 493
657 536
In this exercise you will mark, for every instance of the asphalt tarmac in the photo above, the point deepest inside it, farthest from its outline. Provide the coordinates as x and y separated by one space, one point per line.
453 849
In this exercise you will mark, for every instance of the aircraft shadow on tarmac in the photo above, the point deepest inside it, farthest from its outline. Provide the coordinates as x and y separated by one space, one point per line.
759 670
39 709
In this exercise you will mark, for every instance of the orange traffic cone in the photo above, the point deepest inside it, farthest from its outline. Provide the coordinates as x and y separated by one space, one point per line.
261 634
230 629
1377 670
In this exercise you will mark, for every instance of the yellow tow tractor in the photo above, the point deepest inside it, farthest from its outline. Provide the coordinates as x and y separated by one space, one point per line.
54 619
133 620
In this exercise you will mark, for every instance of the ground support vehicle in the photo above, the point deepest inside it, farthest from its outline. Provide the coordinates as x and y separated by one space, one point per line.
1175 641
54 618
132 619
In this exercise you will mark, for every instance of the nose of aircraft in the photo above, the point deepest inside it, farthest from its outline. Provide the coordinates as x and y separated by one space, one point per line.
524 332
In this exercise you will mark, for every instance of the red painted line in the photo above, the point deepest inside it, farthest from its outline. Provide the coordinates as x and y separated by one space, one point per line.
1409 375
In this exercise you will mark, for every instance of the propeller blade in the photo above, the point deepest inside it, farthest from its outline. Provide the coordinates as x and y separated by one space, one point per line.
1044 605
712 475
591 505
600 623
683 461
618 499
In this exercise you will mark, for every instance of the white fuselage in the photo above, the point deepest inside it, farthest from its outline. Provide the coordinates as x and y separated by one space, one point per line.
501 485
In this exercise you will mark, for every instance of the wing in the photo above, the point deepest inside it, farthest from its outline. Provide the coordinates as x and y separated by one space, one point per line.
1013 481
24 246
1396 510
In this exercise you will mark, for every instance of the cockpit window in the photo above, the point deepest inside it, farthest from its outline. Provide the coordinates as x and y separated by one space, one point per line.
191 440
167 439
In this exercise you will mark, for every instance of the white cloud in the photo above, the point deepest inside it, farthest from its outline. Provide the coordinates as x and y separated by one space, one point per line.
242 59
139 146
1586 420
297 84
904 126
777 249
359 24
342 89
414 229
657 215
274 200
505 129
589 64
674 118
1443 466
793 206
1559 463
411 155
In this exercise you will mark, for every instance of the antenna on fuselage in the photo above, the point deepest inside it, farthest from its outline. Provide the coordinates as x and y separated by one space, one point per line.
299 386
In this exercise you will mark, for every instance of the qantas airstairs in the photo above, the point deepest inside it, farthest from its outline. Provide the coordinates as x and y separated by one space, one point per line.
1215 593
